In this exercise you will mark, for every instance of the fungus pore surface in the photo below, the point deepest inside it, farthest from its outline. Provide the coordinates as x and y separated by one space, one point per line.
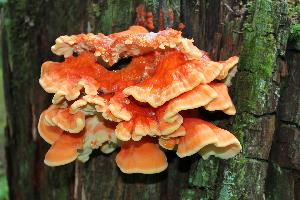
137 91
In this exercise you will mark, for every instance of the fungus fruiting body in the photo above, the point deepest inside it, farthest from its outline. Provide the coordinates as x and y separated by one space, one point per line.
138 91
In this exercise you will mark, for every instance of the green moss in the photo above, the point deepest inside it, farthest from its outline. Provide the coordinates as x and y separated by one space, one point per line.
258 56
232 178
295 26
3 188
188 194
253 96
264 40
259 50
239 178
2 102
295 31
113 16
205 173
243 122
266 34
295 35
191 194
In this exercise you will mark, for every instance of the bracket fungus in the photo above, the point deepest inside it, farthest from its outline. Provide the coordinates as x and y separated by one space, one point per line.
135 90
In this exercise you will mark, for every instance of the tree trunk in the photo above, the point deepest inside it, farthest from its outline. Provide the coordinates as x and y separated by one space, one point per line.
265 90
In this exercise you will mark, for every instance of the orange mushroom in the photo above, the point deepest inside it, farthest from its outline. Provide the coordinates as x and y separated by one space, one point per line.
226 147
144 121
73 123
198 135
84 73
223 101
169 143
195 98
64 150
63 118
130 43
49 133
167 128
206 138
137 128
227 66
143 157
50 113
64 144
119 107
175 75
140 102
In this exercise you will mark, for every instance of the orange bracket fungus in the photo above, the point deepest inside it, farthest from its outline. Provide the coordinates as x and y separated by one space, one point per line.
136 91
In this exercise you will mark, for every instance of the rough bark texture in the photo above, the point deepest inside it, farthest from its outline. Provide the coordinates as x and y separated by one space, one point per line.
265 90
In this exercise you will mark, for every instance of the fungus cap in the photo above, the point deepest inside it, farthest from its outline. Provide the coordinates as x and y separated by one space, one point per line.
64 150
73 123
49 133
133 42
169 143
143 156
82 73
197 136
195 98
207 139
174 76
222 101
227 145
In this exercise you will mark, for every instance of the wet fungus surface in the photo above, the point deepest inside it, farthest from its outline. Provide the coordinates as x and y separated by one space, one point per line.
129 90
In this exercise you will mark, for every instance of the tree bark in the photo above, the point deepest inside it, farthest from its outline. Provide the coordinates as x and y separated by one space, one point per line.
265 91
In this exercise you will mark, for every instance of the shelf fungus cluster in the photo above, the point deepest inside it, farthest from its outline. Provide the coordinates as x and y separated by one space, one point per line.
132 90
